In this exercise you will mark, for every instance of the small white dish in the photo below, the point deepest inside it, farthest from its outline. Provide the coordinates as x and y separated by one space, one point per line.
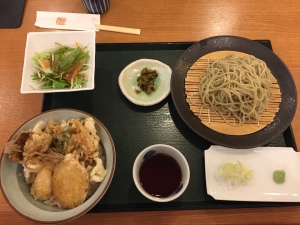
168 150
43 41
128 82
263 161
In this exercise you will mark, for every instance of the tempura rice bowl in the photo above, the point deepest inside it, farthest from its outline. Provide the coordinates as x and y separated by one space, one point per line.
17 192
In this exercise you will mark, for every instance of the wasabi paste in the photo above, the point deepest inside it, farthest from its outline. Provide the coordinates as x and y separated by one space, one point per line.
279 176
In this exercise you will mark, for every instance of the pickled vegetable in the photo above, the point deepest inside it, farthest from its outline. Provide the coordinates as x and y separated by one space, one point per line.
146 80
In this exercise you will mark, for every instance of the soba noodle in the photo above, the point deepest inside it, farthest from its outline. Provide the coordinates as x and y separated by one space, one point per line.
236 88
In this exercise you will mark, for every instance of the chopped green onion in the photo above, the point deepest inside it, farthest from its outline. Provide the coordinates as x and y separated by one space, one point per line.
234 174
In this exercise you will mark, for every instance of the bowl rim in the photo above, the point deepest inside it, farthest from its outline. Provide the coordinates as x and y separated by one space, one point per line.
93 203
135 170
159 98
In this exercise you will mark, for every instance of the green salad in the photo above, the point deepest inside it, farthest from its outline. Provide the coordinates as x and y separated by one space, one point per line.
66 67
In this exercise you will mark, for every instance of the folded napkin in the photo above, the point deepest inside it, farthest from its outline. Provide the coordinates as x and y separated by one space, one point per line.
67 21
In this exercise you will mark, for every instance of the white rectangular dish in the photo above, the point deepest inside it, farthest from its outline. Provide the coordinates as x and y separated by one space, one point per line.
263 161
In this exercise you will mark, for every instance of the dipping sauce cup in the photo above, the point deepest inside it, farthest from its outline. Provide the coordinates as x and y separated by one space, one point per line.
161 173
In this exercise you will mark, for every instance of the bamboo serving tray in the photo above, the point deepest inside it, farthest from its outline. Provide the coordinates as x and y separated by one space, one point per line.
210 118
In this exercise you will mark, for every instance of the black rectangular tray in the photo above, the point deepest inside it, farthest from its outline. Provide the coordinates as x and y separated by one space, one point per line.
133 128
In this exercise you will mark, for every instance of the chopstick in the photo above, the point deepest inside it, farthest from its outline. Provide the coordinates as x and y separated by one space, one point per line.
118 29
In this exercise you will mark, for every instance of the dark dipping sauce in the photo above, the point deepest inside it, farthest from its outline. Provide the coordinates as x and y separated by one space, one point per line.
160 175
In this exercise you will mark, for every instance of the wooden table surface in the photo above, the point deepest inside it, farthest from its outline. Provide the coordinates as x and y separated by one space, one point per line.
159 21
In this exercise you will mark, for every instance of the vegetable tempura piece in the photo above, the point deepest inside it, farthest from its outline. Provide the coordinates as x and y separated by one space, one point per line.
42 186
98 173
37 142
82 139
15 148
70 182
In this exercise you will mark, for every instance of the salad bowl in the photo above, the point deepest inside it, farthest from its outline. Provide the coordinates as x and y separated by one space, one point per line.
40 60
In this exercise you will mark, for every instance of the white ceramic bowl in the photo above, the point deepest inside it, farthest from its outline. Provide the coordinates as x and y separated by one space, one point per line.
43 41
17 192
128 82
168 150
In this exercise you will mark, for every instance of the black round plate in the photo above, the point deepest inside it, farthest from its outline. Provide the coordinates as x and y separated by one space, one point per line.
287 107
